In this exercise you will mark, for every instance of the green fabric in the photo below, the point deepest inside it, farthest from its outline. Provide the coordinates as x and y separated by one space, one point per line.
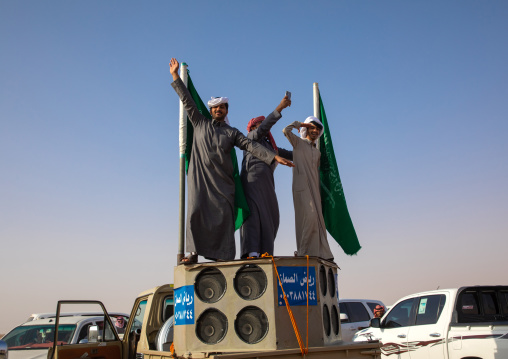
337 220
241 207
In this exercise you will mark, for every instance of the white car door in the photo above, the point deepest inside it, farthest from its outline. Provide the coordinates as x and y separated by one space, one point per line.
427 337
394 330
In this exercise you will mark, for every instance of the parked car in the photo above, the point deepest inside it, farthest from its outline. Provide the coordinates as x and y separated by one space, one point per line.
467 322
4 352
355 314
32 339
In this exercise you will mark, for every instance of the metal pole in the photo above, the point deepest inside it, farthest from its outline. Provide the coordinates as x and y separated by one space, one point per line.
317 112
183 147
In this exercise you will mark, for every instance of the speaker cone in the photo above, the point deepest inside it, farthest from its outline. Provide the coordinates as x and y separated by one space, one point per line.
251 325
326 320
250 282
211 326
331 282
322 279
335 320
210 285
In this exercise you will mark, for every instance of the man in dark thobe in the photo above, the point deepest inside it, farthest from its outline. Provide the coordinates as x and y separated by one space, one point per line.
211 188
259 230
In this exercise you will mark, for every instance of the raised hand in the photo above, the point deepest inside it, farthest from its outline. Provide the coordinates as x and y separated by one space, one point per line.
286 102
173 68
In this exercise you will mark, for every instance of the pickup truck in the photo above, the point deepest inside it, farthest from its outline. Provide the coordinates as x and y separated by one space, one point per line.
229 310
467 322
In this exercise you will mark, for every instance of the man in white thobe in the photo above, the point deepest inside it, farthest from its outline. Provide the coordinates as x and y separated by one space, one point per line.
309 223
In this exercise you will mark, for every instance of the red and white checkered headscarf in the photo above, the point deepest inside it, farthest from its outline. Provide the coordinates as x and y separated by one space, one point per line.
256 121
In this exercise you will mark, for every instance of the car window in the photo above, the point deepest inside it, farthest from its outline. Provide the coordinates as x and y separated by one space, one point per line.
429 309
358 312
83 333
372 305
489 302
139 315
503 301
38 336
468 303
400 315
482 305
343 309
109 332
168 309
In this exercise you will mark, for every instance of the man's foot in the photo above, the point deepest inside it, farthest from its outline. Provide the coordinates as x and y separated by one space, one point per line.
190 259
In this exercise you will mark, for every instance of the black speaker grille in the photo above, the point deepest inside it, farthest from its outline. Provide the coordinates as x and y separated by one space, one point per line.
250 282
326 320
335 320
322 279
210 285
331 283
251 325
211 326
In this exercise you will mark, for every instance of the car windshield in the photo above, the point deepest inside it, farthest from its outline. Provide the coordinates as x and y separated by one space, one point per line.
38 336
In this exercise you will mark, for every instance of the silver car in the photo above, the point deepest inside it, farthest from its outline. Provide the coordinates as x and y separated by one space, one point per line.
355 314
32 339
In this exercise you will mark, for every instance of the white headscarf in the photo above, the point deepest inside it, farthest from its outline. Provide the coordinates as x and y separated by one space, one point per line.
303 130
216 101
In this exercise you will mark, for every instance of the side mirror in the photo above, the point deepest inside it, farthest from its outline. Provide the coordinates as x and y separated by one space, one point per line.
4 353
344 318
93 334
375 323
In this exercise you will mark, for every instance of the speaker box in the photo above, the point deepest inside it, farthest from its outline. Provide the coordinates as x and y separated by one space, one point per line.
238 305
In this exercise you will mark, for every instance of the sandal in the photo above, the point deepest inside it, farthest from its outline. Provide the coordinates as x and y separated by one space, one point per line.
192 258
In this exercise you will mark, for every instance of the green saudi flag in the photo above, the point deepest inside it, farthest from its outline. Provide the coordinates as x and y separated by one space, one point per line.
337 220
241 207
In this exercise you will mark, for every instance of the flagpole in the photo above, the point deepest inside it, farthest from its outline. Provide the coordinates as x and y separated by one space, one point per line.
183 148
317 112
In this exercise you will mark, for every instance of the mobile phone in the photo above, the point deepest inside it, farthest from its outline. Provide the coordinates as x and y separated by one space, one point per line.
288 94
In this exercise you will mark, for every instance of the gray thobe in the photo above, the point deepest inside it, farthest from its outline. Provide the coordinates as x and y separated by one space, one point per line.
258 232
309 223
211 188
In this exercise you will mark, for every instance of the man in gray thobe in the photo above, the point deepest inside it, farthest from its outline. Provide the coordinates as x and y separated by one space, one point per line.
211 188
309 222
259 230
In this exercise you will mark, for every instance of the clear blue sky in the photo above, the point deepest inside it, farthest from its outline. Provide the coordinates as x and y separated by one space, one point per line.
415 93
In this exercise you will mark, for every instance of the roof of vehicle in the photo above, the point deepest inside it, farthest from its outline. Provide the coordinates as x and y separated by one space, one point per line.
38 316
453 291
163 287
63 320
360 300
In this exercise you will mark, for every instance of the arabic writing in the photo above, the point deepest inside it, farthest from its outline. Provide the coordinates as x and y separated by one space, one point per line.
184 305
294 281
335 188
